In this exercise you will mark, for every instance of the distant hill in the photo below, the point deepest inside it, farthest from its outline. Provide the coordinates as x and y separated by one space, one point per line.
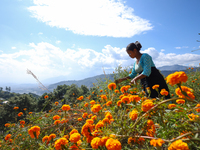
172 68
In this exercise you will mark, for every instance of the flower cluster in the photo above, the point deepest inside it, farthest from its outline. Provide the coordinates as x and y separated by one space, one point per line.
176 78
34 131
179 144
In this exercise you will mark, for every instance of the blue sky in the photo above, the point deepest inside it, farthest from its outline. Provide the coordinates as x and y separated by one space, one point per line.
76 39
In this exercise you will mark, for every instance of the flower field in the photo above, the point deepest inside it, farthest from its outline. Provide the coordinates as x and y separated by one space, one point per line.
121 118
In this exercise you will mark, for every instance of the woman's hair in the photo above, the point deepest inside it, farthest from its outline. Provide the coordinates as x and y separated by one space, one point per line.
133 46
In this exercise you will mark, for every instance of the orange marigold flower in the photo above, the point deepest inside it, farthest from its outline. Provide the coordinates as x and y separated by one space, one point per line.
34 131
7 137
198 109
60 143
178 145
125 100
176 78
15 108
96 142
146 105
108 103
92 102
164 92
170 106
75 137
106 120
73 131
116 91
20 114
56 122
45 138
22 122
103 97
7 125
66 107
180 101
86 104
51 137
74 147
101 90
96 108
46 96
25 109
123 89
100 124
108 115
56 103
133 114
155 86
87 129
84 115
185 89
90 121
94 117
193 117
157 142
112 86
113 144
80 98
56 117
80 119
119 102
103 140
30 113
135 98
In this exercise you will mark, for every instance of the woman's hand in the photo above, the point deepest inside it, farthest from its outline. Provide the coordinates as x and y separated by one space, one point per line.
133 81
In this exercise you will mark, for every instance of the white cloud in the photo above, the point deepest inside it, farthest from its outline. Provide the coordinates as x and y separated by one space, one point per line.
58 42
13 47
91 17
46 60
177 47
40 33
181 47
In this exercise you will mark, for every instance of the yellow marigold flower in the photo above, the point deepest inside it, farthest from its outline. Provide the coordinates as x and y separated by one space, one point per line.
45 138
15 108
60 142
22 122
7 137
176 78
108 115
170 106
46 96
198 109
108 103
157 142
103 140
87 129
86 104
146 105
92 102
180 101
66 107
96 108
7 125
34 131
20 114
56 117
51 137
155 86
80 119
135 98
56 103
119 103
94 117
75 137
178 145
96 142
80 98
113 144
164 92
125 100
106 120
90 115
133 114
56 122
90 121
193 117
185 89
112 86
103 97
100 124
73 131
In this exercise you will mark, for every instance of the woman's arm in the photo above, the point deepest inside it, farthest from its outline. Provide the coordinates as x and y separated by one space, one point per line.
140 76
122 79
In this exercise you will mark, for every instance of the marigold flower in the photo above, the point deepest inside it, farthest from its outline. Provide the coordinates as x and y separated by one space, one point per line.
178 145
157 142
73 131
135 98
15 108
84 115
25 109
180 101
80 119
193 117
108 115
22 122
106 120
176 78
20 114
112 86
90 121
87 129
94 117
164 92
113 144
51 137
103 97
60 142
96 142
123 89
100 124
56 122
45 138
146 105
125 100
34 131
75 137
198 109
101 91
119 103
7 137
155 86
96 108
7 125
46 96
185 89
66 107
133 114
74 147
56 103
56 117
108 103
64 120
80 98
170 106
116 91
30 113
92 102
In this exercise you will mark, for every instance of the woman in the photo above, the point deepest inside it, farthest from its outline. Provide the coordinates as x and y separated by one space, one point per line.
148 73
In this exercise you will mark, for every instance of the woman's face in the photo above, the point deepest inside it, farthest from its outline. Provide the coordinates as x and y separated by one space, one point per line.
131 53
